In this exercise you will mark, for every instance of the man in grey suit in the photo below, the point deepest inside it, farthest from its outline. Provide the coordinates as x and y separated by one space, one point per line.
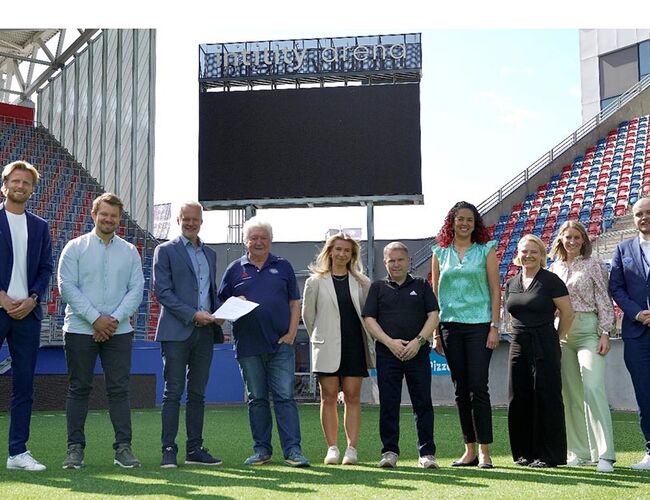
184 272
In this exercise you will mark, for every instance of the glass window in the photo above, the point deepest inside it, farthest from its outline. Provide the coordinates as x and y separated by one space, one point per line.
606 102
644 58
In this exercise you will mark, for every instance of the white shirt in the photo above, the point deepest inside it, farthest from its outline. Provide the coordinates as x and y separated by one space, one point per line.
18 287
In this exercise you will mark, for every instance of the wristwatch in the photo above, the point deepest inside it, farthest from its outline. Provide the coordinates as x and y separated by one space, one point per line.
34 297
494 325
421 340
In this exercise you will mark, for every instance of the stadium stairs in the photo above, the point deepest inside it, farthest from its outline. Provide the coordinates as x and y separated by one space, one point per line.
63 197
593 176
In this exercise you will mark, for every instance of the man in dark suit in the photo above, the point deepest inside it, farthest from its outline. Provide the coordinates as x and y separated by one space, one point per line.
629 284
185 283
25 270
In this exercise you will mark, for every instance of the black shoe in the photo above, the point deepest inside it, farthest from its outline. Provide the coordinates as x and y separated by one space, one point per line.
485 465
471 463
522 462
200 456
540 464
168 458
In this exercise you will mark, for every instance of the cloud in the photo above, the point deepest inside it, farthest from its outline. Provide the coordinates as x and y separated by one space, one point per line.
505 110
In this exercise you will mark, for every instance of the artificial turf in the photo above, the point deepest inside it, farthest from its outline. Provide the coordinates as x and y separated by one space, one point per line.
227 436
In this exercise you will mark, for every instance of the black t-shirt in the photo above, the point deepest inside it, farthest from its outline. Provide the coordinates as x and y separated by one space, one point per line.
534 306
401 310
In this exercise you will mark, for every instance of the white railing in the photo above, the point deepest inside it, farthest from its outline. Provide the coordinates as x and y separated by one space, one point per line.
521 178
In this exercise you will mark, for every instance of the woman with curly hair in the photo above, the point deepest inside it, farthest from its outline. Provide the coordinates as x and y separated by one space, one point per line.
333 299
465 276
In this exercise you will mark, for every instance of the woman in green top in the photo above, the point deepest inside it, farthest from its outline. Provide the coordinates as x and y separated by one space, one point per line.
465 278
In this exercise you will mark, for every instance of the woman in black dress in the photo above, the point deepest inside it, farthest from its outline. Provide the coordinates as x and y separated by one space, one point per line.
536 411
342 352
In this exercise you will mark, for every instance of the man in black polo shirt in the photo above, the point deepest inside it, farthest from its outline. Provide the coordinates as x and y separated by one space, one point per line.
401 313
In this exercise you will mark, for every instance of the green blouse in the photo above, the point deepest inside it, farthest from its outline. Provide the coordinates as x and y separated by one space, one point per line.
463 289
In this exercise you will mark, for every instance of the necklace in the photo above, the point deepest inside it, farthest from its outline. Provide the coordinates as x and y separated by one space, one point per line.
339 278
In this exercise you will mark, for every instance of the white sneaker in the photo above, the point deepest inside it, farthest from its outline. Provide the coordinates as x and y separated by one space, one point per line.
388 460
350 457
574 461
604 466
333 456
25 461
428 462
644 464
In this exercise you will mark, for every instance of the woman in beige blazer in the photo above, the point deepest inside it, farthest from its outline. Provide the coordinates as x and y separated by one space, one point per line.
342 350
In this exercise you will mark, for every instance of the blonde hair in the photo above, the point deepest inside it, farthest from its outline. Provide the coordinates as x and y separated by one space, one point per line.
538 242
189 204
558 250
323 262
20 165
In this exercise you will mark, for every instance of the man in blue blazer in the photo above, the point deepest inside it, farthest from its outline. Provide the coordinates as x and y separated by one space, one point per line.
25 271
629 284
184 271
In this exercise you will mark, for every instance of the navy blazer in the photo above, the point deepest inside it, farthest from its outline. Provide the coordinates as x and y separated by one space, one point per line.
176 287
39 256
630 286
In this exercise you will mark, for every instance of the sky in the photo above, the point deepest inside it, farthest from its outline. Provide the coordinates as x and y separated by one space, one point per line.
492 102
500 87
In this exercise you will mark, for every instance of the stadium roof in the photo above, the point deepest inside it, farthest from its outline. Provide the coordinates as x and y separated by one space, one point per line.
29 58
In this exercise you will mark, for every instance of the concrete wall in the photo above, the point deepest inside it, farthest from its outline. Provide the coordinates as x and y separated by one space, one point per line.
302 253
620 392
593 43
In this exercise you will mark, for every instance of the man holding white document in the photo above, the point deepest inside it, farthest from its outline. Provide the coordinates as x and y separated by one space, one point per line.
264 342
184 272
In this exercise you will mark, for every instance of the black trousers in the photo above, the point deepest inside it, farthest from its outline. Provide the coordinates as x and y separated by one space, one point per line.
81 353
536 411
390 373
469 364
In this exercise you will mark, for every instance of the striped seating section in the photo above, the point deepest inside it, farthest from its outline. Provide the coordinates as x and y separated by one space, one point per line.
63 197
595 188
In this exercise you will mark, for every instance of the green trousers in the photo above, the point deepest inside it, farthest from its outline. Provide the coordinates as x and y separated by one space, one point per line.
586 411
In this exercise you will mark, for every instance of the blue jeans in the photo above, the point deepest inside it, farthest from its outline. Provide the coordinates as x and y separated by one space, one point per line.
274 372
189 360
23 337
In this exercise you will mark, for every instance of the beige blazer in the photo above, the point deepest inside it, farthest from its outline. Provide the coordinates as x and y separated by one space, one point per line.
320 312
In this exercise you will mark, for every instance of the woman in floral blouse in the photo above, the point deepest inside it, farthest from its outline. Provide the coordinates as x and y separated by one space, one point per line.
588 420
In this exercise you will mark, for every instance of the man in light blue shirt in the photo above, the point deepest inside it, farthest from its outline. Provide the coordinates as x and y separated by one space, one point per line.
100 278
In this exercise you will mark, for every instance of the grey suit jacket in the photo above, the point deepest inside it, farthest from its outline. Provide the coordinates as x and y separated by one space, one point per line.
176 287
320 313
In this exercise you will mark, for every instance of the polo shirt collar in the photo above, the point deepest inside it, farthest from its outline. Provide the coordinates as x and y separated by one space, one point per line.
394 284
269 260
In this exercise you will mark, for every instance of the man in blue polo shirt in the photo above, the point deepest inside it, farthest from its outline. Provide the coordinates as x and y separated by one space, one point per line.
401 313
264 342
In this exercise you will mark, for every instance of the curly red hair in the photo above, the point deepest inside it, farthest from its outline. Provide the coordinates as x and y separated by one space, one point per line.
481 234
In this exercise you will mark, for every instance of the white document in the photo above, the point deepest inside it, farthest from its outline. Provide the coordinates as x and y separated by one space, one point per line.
234 308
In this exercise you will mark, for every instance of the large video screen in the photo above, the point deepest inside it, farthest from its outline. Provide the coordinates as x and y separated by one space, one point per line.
313 142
